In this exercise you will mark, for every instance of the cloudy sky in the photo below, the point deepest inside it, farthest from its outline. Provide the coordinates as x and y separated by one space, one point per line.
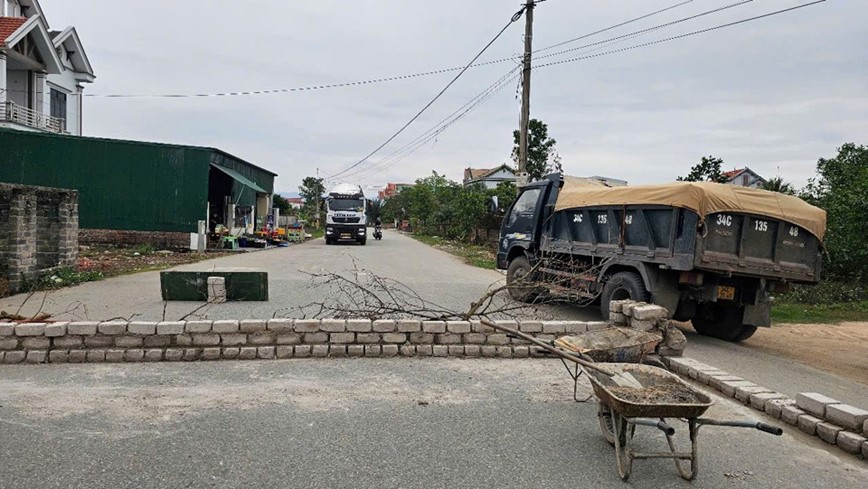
774 94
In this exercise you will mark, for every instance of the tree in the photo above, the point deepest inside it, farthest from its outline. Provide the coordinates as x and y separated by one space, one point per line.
706 171
777 184
542 158
374 210
311 190
840 189
281 203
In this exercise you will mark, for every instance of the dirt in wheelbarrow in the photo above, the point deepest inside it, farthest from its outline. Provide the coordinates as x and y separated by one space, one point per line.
657 394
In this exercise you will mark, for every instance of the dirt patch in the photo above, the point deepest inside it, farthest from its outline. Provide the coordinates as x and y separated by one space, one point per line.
113 261
841 349
657 394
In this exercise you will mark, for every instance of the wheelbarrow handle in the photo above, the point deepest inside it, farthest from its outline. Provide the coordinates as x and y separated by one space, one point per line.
769 429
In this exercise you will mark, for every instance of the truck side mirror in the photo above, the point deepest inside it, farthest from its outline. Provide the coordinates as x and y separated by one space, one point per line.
493 204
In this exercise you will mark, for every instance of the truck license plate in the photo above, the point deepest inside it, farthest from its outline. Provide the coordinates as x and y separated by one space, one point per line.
725 292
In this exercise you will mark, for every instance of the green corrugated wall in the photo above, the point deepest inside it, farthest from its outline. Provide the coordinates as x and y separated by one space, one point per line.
124 185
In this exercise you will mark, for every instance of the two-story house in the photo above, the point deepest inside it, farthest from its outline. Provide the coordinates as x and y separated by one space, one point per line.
42 72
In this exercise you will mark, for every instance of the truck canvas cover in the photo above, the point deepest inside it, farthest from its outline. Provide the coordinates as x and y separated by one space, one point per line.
704 198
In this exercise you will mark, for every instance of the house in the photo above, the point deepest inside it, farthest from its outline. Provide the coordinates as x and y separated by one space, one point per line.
744 177
393 189
42 72
295 202
489 177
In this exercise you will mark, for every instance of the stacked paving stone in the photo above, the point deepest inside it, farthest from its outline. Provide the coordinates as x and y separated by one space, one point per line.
833 422
139 341
649 317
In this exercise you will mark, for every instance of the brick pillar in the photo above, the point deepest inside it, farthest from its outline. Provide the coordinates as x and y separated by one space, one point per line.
68 243
22 247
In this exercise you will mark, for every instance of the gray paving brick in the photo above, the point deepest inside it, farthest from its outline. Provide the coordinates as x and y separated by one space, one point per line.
252 325
814 403
808 423
170 327
850 442
848 416
828 432
112 328
82 328
280 325
144 327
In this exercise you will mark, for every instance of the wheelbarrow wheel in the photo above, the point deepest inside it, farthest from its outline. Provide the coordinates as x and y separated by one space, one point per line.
607 425
623 454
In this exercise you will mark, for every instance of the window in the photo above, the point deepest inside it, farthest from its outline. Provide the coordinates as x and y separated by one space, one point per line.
58 104
353 205
524 206
744 180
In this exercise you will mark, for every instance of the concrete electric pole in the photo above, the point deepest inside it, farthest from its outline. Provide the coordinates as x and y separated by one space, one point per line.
522 177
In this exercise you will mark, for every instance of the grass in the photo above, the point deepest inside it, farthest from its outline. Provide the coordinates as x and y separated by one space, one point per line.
476 255
819 313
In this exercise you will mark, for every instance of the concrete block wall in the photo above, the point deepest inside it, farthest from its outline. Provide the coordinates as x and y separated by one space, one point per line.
138 341
38 232
652 318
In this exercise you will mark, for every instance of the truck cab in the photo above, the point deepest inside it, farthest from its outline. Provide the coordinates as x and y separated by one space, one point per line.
345 215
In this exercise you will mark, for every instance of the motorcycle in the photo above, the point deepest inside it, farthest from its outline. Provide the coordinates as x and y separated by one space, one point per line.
378 232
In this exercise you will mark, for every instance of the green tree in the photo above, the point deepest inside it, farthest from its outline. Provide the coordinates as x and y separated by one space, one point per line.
708 170
311 190
374 210
542 158
281 203
778 184
840 188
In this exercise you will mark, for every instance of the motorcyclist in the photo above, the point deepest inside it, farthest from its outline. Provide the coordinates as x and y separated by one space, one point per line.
378 228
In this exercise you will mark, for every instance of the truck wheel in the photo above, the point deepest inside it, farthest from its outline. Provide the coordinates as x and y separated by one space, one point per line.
517 280
622 285
363 241
721 322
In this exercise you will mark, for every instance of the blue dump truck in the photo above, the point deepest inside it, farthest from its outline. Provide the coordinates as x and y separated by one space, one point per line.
710 253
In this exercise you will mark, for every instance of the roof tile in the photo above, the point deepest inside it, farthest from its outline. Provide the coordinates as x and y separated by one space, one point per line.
8 26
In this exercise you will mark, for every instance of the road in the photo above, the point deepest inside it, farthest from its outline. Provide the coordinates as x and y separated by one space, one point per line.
361 423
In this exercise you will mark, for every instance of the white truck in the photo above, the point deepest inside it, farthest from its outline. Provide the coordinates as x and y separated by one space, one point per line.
345 214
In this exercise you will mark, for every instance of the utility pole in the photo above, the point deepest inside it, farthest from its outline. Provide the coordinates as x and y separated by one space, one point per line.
521 178
318 201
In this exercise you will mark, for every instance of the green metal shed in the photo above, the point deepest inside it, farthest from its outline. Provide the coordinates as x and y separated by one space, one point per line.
136 185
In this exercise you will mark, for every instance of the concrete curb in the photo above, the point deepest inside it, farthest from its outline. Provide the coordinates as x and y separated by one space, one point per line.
833 422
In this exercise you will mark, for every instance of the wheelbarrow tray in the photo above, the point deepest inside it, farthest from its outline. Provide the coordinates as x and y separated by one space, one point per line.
612 344
650 407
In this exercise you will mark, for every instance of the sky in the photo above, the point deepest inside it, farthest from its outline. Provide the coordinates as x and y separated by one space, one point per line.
775 94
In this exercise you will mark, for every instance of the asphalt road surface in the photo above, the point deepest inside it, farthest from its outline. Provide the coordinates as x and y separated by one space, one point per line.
360 423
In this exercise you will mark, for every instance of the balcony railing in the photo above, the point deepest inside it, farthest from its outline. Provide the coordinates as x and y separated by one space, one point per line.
12 112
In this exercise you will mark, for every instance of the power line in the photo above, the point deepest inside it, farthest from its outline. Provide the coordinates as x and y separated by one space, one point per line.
514 18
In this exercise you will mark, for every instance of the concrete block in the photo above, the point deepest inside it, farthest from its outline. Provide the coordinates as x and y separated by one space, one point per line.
247 353
7 329
174 354
865 450
14 357
306 325
649 312
30 329
153 355
488 351
196 326
814 403
319 351
717 381
134 355
509 323
390 350
206 339
704 376
225 326
113 356
233 339
284 351
216 289
476 326
170 327
865 428
774 407
342 338
280 325
53 330
455 350
531 326
421 338
112 328
643 325
9 343
338 351
850 442
790 414
504 352
262 338
384 326
472 351
851 418
597 325
424 350
144 328
828 432
356 350
265 352
368 338
627 308
333 325
302 351
395 338
460 327
359 325
36 356
210 354
128 341
808 423
373 350
617 318
183 340
252 325
575 327
618 306
518 341
61 356
409 326
440 350
498 339
447 339
554 327
317 338
743 393
154 341
407 351
475 338
99 341
434 326
191 354
36 343
729 387
288 339
520 351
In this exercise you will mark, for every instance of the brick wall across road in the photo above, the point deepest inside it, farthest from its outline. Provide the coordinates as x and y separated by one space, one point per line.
121 341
